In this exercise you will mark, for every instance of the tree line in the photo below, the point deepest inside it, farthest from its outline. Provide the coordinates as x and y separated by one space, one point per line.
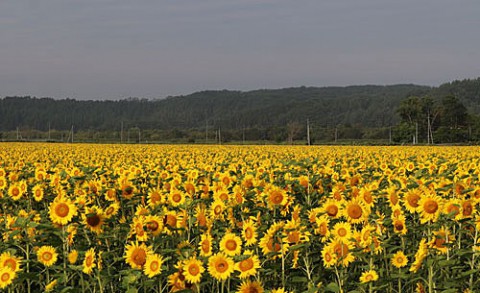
390 114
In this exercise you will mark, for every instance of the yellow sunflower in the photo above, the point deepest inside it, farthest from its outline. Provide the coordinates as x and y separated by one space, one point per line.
322 228
250 286
176 197
73 256
193 270
15 192
89 261
276 196
332 208
153 265
342 250
342 231
249 233
399 225
94 218
369 276
231 244
6 277
220 266
429 207
136 255
355 211
47 255
411 199
249 266
37 192
205 245
399 259
216 209
11 261
154 225
111 210
329 257
62 211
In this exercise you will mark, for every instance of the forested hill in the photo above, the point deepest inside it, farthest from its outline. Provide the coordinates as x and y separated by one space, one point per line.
369 106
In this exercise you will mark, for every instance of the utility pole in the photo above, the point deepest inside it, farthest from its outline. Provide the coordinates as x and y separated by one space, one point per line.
336 134
390 135
139 135
206 131
219 136
72 133
49 131
243 135
416 132
308 132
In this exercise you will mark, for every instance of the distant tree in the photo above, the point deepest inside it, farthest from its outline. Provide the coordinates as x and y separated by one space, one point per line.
293 130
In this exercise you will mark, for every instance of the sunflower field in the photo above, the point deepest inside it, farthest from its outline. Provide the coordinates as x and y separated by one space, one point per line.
164 218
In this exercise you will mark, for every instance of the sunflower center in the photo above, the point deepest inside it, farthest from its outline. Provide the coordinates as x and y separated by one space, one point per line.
221 266
342 232
341 250
368 197
398 225
467 209
274 246
217 210
369 277
206 246
246 264
155 197
12 264
93 220
154 266
15 191
62 210
223 196
46 256
193 269
176 197
439 242
413 200
139 256
332 210
248 233
38 193
430 206
294 237
328 257
170 220
354 211
276 197
231 244
152 226
189 188
323 229
89 261
400 259
453 209
394 198
5 277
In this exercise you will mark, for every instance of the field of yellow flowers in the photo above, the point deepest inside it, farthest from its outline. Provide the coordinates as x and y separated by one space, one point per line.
163 218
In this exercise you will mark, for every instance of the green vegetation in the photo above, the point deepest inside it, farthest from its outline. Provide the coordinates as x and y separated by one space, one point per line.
396 113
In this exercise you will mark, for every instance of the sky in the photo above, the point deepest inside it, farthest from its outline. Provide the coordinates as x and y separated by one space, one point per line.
114 49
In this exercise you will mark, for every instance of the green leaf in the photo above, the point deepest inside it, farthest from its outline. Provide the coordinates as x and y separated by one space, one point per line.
332 287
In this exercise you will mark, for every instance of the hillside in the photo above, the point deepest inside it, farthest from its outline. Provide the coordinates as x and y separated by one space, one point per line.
369 106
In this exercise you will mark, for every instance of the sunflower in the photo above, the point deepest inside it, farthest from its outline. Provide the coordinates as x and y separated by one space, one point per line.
154 224
276 196
201 216
272 242
89 261
342 231
250 286
468 208
176 197
136 228
11 261
399 259
369 276
155 197
153 265
410 200
429 207
342 251
93 218
355 211
37 192
73 256
15 192
111 210
3 182
366 236
193 270
136 255
205 245
328 256
50 286
231 244
216 209
6 277
249 233
399 225
249 266
47 255
62 211
322 228
441 237
452 208
420 255
220 266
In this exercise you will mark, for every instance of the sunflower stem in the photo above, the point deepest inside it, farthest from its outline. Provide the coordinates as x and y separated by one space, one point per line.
399 281
472 264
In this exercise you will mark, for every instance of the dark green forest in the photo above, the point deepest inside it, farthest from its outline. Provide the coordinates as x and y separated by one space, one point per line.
404 113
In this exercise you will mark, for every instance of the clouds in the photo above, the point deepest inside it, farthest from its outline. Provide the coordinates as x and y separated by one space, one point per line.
113 48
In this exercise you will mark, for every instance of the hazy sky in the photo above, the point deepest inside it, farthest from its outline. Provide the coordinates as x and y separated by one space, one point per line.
111 49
